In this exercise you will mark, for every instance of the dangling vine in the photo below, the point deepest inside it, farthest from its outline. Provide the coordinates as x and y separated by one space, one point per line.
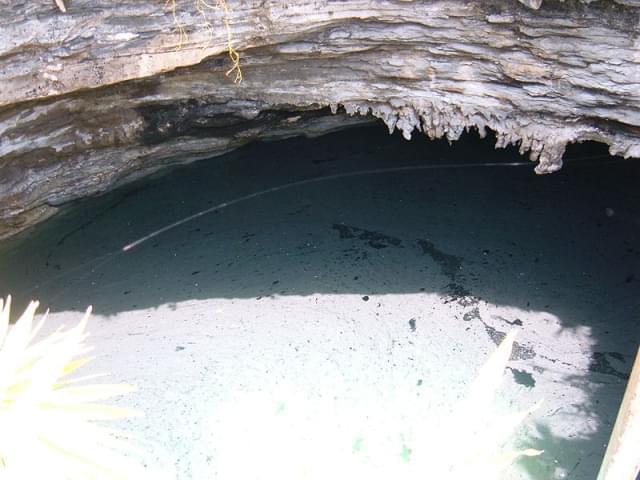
202 6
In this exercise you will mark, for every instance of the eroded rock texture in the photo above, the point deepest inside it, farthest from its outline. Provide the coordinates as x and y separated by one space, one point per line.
113 90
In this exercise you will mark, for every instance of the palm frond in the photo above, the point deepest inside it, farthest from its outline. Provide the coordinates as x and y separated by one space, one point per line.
47 422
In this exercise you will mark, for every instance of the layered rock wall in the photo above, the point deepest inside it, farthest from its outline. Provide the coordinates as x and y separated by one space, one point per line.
113 90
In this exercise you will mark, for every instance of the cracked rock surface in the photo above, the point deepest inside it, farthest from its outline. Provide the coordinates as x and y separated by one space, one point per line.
111 91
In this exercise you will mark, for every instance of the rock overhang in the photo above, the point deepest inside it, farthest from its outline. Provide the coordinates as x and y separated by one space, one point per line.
110 92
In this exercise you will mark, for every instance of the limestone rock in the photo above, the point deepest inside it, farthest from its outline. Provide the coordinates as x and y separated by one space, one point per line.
111 91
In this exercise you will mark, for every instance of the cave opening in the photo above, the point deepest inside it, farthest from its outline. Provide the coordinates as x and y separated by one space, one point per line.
305 305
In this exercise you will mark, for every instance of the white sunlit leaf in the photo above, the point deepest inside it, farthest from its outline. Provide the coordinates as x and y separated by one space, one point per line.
43 417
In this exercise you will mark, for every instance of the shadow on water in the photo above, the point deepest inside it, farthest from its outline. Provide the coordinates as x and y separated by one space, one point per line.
567 243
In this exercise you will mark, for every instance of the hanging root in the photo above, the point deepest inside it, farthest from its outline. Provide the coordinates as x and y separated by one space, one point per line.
234 56
179 27
202 6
